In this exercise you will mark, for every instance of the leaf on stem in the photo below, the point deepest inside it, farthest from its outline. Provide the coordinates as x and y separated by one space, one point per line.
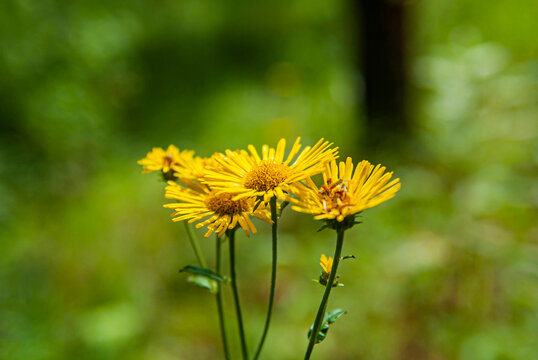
324 283
333 315
204 283
329 318
202 271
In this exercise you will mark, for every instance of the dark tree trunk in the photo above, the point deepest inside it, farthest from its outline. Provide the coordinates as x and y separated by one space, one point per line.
381 27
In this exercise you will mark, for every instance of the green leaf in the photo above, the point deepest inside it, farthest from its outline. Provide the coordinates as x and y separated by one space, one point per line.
203 282
199 270
329 318
333 315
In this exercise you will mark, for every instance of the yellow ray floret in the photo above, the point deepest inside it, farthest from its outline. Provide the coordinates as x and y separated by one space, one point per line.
326 263
271 174
194 167
345 192
190 170
160 159
216 211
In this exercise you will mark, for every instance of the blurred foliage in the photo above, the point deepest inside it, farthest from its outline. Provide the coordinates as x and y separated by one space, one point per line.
89 258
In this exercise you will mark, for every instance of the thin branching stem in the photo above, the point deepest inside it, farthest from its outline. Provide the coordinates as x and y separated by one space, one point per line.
323 305
274 218
218 295
194 244
231 238
220 308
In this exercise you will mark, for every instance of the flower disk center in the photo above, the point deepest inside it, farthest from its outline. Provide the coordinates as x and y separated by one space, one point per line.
334 194
222 204
267 176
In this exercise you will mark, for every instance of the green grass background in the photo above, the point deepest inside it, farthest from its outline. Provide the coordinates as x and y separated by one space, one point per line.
89 258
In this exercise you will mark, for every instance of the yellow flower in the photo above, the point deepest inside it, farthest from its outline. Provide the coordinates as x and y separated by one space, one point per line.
220 211
193 167
160 159
326 263
271 174
344 192
190 170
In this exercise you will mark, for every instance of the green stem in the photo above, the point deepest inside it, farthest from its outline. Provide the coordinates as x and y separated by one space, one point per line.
194 244
273 278
231 237
323 305
222 323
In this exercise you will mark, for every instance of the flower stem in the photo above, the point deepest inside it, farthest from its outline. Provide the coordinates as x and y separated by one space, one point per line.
231 237
194 244
222 323
218 295
273 277
323 305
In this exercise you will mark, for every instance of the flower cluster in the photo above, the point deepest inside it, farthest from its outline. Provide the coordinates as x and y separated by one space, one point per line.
228 189
225 191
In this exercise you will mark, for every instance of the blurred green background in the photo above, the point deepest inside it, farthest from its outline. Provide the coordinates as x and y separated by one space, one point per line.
89 258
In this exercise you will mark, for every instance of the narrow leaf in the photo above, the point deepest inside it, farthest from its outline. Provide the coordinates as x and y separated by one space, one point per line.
329 318
199 270
333 315
203 282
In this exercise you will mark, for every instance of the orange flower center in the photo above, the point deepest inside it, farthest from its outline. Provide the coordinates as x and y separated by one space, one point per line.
222 204
334 194
267 176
